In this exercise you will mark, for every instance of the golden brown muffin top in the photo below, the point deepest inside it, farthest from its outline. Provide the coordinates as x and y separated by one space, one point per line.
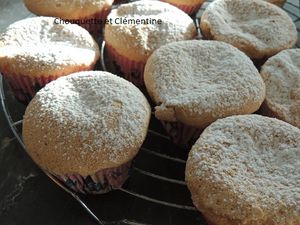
39 46
258 28
67 9
281 74
85 122
137 42
196 82
185 2
247 169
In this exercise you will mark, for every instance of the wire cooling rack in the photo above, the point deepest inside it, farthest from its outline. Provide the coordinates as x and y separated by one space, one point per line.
157 175
156 192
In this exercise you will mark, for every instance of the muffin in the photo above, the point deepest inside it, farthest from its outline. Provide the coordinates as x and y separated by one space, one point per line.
90 14
258 28
85 128
245 170
36 51
189 6
193 83
130 44
281 74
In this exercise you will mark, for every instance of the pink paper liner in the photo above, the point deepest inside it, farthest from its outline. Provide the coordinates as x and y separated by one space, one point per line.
95 29
182 134
191 10
101 182
131 70
24 87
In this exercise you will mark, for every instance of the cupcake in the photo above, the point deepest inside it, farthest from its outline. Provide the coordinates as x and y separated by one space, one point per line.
138 28
86 128
258 28
245 170
193 83
189 6
36 51
90 14
281 74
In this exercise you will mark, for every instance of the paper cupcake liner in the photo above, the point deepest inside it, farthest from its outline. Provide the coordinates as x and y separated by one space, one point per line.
191 10
181 134
132 71
24 87
95 29
101 182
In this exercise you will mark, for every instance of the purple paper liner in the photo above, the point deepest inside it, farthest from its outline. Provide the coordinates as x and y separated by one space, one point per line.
182 134
24 86
132 71
101 182
95 29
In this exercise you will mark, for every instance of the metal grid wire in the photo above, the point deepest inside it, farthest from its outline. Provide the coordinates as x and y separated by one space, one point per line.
149 151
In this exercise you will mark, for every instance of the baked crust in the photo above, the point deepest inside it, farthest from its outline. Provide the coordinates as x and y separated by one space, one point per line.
85 122
257 28
67 9
191 83
245 170
281 74
137 42
39 47
185 2
277 2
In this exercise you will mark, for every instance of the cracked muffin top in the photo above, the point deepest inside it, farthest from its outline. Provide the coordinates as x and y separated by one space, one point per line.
196 82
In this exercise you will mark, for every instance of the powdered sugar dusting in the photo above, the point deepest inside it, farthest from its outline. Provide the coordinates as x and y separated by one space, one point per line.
67 9
202 77
250 167
39 44
95 119
176 25
256 27
281 74
81 3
